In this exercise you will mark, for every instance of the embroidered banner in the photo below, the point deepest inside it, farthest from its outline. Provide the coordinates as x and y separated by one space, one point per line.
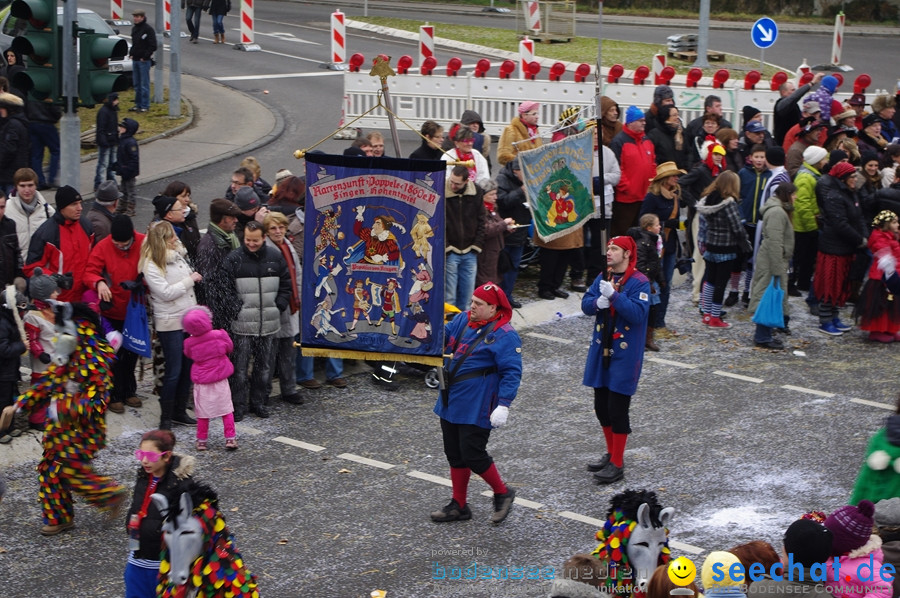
558 183
373 251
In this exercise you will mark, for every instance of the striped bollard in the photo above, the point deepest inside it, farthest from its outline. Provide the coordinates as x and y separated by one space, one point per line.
115 9
167 16
338 59
659 63
247 44
526 56
426 42
838 42
533 16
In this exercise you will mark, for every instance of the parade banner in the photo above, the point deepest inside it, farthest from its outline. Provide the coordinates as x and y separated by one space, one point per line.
558 184
373 255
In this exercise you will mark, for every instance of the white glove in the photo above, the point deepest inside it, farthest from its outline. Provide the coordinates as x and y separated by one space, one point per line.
115 340
607 289
602 302
887 264
499 416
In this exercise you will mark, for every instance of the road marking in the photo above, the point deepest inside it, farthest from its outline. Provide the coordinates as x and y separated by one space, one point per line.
524 502
581 518
421 475
300 444
547 337
809 391
365 461
685 547
739 377
677 364
287 37
284 76
874 404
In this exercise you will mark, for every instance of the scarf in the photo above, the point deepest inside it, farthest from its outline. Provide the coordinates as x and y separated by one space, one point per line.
292 269
222 238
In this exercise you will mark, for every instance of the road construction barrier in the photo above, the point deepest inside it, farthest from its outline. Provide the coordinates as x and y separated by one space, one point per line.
338 38
115 9
246 21
426 43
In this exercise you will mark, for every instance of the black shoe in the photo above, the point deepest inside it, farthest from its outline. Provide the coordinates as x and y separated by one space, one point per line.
731 299
745 299
774 344
814 310
548 295
261 411
794 291
609 474
502 504
561 293
134 109
165 424
578 286
785 331
293 399
184 419
514 304
599 465
239 414
452 512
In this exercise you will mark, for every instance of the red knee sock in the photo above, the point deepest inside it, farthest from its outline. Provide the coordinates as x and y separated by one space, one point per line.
608 434
459 477
492 477
617 454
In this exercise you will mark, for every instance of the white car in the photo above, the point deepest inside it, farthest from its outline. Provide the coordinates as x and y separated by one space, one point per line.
11 27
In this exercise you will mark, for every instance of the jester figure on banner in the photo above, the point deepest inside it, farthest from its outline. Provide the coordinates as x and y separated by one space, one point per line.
558 183
376 289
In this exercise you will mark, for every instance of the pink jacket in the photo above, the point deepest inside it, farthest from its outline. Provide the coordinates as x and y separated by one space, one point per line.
208 348
866 555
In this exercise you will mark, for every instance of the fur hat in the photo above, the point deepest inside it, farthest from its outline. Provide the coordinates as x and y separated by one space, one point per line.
632 114
808 542
121 229
775 156
883 102
662 92
41 286
842 170
10 100
845 114
222 207
66 196
107 193
814 154
851 526
246 199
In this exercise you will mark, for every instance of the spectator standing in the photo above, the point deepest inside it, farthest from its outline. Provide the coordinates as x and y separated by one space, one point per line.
193 10
869 138
495 228
252 209
107 125
184 221
812 113
212 250
217 11
171 282
807 137
376 140
649 248
10 254
877 309
465 235
668 138
824 95
104 208
696 130
128 165
14 140
44 136
806 217
27 208
637 160
472 120
753 178
511 203
885 106
430 149
734 161
260 185
662 97
243 177
464 140
786 112
609 119
521 133
143 45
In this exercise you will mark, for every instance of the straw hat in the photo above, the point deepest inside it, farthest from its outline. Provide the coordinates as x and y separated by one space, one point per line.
666 169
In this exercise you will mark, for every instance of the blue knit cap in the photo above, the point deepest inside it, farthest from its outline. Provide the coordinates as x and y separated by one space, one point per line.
830 83
632 114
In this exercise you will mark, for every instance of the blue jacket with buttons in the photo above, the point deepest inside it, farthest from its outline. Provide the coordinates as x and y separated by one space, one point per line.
471 401
632 303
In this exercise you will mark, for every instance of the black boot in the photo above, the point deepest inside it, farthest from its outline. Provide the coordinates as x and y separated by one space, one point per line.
731 299
181 416
166 409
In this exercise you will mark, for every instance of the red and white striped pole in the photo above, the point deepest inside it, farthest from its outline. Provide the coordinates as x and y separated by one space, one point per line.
659 63
338 38
838 42
426 42
246 21
533 16
526 56
167 15
115 9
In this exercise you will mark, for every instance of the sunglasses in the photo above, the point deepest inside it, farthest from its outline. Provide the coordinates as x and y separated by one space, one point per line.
151 456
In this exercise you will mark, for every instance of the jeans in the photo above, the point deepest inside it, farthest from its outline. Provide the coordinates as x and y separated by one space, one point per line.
334 367
44 135
668 270
140 76
460 278
218 24
259 349
176 385
508 279
127 204
192 18
763 334
106 158
286 358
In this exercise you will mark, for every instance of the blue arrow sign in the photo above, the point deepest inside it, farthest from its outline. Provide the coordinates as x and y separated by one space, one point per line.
764 33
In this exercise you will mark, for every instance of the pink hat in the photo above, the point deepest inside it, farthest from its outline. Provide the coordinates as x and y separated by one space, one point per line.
528 107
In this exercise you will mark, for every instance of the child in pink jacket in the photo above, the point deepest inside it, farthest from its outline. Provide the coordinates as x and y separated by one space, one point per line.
209 349
857 554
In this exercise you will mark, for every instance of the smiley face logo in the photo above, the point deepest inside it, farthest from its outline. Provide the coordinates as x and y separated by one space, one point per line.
682 571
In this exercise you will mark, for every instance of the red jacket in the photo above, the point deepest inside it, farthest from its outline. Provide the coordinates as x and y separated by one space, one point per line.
637 160
109 263
881 240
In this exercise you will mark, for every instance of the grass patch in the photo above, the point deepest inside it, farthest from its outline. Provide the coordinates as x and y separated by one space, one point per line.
581 49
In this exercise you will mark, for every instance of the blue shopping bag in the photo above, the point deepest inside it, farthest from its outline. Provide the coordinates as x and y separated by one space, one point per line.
770 311
136 329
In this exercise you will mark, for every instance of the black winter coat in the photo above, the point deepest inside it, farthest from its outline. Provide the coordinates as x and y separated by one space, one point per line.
663 138
648 261
108 125
842 230
14 146
177 476
694 182
511 204
11 347
426 152
10 255
129 162
219 7
217 288
143 41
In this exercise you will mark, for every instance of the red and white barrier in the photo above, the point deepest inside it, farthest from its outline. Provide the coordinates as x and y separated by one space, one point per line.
533 16
838 42
659 63
802 69
526 55
426 42
167 15
115 9
246 21
338 38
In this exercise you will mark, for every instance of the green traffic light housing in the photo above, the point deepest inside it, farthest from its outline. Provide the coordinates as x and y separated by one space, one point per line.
40 14
95 82
40 42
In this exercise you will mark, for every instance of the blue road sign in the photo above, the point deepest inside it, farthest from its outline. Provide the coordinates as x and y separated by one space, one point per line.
764 33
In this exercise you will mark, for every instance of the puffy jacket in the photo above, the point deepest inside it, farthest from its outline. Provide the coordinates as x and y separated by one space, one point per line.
129 160
843 229
881 240
290 322
14 146
171 292
177 474
465 219
261 281
752 185
28 223
774 252
62 242
856 579
511 203
208 347
101 221
637 160
108 262
806 206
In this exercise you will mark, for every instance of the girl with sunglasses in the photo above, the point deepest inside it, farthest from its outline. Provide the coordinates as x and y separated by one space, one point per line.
161 471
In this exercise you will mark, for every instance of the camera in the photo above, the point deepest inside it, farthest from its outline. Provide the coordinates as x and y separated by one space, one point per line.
64 281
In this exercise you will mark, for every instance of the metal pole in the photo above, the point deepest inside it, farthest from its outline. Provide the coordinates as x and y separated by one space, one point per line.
70 124
390 110
703 36
606 218
175 62
762 54
160 27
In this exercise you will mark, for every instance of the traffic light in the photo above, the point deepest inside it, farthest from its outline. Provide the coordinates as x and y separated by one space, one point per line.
95 82
41 43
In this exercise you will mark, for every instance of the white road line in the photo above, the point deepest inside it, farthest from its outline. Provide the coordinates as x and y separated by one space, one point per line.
739 377
523 502
299 444
677 364
809 391
421 475
685 547
582 518
547 337
282 76
365 461
874 404
249 431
